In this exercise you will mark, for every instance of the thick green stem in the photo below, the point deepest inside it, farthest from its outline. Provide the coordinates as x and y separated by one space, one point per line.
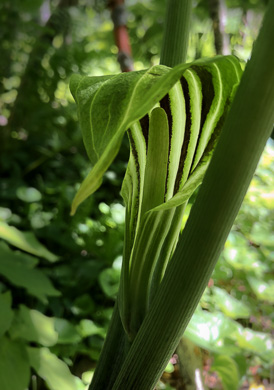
112 356
176 32
248 126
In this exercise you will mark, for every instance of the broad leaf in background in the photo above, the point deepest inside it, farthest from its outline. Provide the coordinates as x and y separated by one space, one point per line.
219 334
17 267
6 312
67 333
211 332
229 305
53 370
227 371
14 365
263 290
28 194
25 241
88 328
31 325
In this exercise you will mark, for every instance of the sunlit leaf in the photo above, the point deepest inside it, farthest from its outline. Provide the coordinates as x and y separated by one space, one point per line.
31 325
28 194
88 328
53 370
210 331
263 290
229 305
258 342
25 241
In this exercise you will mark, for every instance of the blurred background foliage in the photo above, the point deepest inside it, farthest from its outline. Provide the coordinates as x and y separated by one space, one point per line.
59 275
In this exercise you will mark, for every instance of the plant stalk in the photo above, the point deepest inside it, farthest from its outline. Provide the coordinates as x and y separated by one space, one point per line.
246 130
176 32
112 356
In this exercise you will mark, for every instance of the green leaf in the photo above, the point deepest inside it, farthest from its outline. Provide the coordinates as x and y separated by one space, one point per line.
67 333
28 194
14 365
25 241
257 342
263 290
6 313
31 325
227 371
230 306
211 331
18 269
53 370
109 105
109 281
88 328
83 305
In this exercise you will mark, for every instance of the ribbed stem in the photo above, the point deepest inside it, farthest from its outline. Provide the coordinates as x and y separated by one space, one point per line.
248 126
176 32
112 356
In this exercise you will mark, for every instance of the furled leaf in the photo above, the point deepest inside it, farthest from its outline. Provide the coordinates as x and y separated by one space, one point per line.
227 371
18 269
6 313
53 370
109 105
14 365
31 325
229 305
25 241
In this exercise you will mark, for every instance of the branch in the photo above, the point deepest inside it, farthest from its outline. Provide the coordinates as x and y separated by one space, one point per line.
119 18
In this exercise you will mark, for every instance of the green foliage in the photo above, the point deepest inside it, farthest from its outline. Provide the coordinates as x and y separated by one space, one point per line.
25 241
13 354
227 371
137 93
55 372
59 275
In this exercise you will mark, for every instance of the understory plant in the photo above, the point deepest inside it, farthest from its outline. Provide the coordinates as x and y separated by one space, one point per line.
174 114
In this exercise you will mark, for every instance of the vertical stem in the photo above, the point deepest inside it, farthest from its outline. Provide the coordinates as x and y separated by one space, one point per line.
176 32
112 356
246 130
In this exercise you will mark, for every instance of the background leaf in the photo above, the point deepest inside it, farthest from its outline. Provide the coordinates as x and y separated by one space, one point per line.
31 325
25 241
14 365
17 268
53 370
6 313
227 371
230 306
